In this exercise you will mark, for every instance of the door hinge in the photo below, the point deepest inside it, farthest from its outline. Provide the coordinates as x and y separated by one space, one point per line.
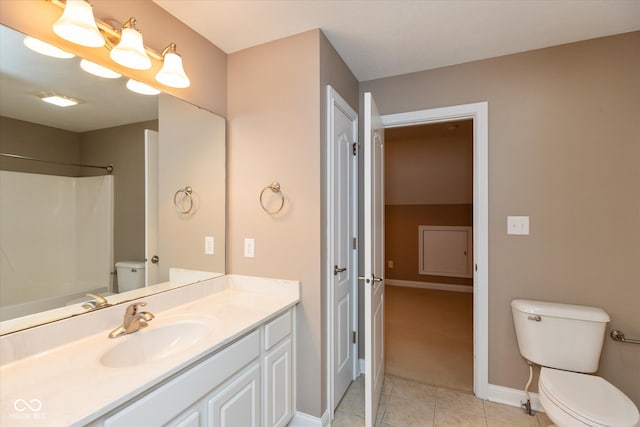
354 337
355 148
354 244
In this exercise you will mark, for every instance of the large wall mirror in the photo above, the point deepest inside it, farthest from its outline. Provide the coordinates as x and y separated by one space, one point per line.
68 225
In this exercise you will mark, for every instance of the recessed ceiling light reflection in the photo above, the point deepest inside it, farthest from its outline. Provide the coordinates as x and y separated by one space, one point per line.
141 88
45 48
59 100
98 70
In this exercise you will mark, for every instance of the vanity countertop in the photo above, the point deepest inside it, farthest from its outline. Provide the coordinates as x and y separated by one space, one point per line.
68 385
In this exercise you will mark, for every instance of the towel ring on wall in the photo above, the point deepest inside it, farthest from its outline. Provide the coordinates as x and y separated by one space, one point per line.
185 204
275 187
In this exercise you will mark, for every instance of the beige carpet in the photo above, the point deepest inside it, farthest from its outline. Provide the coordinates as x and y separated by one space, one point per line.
429 336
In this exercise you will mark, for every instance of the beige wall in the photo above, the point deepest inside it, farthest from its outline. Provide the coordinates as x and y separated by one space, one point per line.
429 164
564 144
275 127
39 141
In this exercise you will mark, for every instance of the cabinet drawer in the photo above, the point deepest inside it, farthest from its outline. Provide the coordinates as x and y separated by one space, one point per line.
166 402
277 329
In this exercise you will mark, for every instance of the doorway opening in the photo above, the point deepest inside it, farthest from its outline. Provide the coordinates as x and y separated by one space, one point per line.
479 114
428 253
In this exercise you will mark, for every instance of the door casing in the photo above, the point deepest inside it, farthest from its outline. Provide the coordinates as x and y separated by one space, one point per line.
479 112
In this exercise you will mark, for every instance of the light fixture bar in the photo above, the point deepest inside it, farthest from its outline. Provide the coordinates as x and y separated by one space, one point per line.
171 74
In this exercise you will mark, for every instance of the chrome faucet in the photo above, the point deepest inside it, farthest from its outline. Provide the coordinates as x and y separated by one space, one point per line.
98 302
133 320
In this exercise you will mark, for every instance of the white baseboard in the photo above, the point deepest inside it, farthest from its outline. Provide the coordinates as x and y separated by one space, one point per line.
429 285
300 419
512 397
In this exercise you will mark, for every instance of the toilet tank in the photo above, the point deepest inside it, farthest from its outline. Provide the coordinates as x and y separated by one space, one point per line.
560 336
130 275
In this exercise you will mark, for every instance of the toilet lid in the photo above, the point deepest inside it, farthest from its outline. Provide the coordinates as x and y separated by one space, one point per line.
589 398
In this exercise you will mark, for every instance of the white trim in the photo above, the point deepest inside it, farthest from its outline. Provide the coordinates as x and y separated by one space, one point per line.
334 99
300 419
429 285
512 397
479 112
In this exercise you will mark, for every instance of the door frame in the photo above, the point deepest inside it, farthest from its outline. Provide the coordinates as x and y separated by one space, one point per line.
479 112
335 100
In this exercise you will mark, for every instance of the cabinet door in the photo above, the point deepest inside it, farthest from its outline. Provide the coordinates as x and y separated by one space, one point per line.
195 416
239 402
279 385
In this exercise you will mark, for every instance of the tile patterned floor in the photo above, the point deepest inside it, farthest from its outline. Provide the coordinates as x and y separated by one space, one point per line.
406 403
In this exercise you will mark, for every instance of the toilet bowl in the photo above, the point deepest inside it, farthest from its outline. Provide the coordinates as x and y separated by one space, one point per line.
566 340
575 399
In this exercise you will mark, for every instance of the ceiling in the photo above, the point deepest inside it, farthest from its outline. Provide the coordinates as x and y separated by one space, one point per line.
381 38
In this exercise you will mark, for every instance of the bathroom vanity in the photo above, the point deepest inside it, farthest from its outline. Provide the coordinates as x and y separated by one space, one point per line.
220 352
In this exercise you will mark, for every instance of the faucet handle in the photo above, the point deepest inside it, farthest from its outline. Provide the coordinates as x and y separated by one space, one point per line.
132 309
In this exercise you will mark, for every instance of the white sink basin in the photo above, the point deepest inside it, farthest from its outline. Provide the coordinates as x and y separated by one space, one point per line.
156 342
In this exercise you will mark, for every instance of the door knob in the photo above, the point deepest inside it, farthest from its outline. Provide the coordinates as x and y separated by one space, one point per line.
155 259
337 270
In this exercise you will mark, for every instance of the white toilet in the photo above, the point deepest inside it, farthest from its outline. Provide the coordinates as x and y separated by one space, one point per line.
130 275
566 340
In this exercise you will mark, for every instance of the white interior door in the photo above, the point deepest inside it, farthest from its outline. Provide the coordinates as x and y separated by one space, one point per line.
373 257
151 206
343 130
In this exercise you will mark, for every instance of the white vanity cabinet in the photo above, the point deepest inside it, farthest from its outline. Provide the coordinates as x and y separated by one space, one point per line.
249 383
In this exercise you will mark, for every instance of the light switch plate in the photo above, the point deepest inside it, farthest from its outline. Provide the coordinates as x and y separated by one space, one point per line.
249 247
208 245
518 225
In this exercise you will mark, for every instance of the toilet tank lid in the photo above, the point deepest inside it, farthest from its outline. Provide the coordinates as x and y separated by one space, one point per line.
566 311
130 264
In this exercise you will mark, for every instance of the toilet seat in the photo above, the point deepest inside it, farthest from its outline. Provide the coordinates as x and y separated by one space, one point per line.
588 399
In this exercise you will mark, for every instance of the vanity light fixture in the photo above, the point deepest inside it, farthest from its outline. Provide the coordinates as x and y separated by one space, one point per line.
78 25
141 88
98 70
172 74
130 51
59 100
45 48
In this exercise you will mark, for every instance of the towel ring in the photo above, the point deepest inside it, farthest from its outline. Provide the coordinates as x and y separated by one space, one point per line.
180 205
275 187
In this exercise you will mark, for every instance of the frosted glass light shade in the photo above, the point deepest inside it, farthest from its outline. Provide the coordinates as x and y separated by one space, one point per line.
45 48
98 70
78 25
172 74
130 51
141 88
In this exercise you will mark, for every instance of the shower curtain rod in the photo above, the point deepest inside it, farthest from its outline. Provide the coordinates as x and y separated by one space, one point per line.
109 168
